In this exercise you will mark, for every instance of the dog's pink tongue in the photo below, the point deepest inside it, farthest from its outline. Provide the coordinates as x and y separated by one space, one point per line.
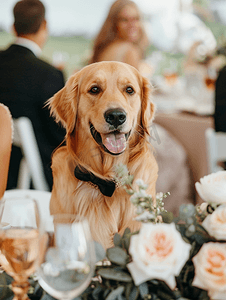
115 143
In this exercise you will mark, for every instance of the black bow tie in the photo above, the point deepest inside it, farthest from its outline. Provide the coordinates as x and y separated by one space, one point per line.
107 187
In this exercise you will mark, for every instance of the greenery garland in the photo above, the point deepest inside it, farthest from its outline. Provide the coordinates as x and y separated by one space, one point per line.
112 279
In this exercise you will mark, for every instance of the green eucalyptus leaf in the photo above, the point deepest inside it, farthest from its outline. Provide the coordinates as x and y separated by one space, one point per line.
128 290
126 238
143 289
6 294
115 293
126 243
126 233
134 293
164 295
100 251
5 290
200 239
117 255
113 274
96 292
204 295
117 240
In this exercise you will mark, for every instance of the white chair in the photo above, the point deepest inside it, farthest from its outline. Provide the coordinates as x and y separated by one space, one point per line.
216 149
42 198
31 168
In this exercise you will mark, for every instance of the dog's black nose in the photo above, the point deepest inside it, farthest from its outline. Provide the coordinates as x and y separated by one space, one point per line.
115 117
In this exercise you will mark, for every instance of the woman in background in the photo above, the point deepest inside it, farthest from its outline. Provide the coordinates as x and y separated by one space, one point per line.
122 36
5 146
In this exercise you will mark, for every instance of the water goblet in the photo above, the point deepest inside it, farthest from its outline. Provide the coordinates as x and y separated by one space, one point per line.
68 263
19 242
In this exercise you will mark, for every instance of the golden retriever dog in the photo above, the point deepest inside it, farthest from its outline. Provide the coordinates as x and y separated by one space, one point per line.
107 113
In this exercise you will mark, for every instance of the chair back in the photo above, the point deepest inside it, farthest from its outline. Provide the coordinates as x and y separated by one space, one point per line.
216 149
42 198
31 168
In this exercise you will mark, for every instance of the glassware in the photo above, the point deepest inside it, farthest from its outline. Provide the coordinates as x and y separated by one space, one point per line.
19 242
210 79
68 264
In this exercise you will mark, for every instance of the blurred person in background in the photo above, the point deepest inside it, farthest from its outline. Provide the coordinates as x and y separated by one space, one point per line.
27 82
220 104
122 37
5 146
220 101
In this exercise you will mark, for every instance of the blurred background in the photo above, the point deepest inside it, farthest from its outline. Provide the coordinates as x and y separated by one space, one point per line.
172 27
186 51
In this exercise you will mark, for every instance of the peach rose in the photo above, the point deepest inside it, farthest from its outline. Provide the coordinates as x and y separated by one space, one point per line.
158 252
212 188
210 270
215 223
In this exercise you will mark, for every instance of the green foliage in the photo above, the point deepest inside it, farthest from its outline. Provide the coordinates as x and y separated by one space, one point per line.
112 279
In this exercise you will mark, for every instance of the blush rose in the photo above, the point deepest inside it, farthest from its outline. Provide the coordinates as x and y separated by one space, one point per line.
215 223
158 252
210 270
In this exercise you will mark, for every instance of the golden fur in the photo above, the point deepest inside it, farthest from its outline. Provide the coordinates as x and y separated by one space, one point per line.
76 108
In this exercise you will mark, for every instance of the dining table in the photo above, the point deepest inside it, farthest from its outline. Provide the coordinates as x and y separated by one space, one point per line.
186 119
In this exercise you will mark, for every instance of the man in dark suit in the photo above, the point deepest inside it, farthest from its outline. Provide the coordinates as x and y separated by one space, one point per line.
220 101
27 82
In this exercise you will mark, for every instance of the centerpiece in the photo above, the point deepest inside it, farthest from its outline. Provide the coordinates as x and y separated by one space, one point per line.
169 258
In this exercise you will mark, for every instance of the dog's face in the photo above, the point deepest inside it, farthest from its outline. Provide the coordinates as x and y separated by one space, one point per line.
106 100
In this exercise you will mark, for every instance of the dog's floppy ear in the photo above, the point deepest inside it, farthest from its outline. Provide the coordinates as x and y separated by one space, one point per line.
63 105
147 107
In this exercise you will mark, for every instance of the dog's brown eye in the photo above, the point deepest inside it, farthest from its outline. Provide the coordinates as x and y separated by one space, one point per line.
94 90
130 90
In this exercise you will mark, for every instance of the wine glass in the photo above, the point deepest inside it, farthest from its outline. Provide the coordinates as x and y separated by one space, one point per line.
68 264
19 241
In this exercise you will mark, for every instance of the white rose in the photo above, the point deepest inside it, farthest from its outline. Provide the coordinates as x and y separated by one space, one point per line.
215 223
158 252
210 270
212 188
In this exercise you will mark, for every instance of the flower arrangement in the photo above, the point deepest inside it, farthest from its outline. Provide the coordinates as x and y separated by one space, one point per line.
169 258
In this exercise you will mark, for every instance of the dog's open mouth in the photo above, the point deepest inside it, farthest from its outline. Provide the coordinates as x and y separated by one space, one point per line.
113 142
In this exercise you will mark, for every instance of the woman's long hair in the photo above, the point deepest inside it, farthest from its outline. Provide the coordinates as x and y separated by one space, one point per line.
108 32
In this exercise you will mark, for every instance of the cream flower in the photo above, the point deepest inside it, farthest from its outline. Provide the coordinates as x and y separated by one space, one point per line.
158 252
215 223
138 196
210 270
212 188
141 184
145 216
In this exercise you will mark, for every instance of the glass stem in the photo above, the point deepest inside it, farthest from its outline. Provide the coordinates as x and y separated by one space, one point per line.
20 290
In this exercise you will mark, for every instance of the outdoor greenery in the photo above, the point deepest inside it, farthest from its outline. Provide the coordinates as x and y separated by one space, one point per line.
77 49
